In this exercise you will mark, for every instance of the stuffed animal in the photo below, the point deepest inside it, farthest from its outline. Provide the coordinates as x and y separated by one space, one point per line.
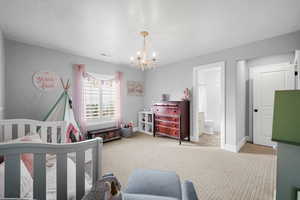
107 188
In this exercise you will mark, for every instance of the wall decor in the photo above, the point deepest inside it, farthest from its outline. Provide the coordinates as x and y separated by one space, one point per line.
45 80
165 97
135 88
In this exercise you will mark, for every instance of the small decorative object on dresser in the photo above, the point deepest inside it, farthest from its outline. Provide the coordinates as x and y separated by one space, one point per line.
187 94
165 97
172 119
146 122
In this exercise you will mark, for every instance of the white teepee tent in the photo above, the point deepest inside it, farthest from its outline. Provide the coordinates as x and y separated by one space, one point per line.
62 111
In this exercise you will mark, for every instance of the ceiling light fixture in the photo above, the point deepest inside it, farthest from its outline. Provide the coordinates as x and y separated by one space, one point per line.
142 60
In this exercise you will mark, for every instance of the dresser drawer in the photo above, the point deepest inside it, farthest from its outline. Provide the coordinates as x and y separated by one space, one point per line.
166 118
166 130
167 110
168 124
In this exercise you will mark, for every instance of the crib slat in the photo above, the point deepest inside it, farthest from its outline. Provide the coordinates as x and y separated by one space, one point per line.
44 133
63 134
80 175
95 165
21 130
61 174
39 174
12 176
30 128
96 162
7 132
34 129
54 134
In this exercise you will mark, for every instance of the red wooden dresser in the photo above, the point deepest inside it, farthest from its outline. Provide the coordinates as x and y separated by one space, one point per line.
172 119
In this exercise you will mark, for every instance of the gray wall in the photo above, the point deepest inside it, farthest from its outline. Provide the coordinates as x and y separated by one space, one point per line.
173 78
288 165
25 101
2 76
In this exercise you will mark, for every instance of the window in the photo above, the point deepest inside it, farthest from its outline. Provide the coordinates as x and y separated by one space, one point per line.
100 97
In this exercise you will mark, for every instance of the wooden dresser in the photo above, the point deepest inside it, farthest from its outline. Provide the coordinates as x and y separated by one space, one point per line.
172 119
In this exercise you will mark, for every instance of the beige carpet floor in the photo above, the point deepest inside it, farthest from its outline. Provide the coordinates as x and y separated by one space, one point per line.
217 174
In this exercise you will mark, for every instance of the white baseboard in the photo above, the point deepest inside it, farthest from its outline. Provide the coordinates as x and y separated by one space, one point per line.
235 148
241 144
229 147
194 138
148 133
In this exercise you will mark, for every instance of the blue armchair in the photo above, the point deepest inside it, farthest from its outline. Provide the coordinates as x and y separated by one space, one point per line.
158 185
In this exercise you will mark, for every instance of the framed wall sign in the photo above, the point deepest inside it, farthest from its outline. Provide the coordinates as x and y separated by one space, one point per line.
135 88
45 80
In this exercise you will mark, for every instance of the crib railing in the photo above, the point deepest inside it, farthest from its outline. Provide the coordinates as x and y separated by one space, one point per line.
12 154
16 128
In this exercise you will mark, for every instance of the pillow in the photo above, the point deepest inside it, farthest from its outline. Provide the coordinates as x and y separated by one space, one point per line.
72 134
27 158
26 180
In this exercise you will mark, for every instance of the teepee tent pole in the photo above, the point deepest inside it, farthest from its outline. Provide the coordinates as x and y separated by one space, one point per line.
62 109
53 107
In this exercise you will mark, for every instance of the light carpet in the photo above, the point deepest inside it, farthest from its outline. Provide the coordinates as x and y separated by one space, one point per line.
217 174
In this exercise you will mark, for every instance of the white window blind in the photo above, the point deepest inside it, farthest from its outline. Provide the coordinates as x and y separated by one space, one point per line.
100 99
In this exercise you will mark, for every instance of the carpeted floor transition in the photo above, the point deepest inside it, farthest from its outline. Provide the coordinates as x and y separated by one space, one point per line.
217 174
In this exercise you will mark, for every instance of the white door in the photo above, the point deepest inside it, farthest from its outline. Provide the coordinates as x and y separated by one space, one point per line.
266 80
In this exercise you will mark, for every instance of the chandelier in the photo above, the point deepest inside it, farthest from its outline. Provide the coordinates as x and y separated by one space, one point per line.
142 60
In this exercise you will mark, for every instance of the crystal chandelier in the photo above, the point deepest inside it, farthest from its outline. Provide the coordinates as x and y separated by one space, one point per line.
142 60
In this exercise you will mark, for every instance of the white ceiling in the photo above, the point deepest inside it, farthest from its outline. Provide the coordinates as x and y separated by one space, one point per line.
179 29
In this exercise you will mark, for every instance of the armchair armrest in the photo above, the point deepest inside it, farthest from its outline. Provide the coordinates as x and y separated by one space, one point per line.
188 191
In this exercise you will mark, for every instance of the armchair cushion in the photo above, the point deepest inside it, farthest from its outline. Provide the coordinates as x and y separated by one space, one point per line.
127 196
188 191
154 182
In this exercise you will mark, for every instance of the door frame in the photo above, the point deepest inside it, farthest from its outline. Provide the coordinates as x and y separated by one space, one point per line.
251 120
195 136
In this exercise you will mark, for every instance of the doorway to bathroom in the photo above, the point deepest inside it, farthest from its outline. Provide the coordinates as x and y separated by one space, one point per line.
209 104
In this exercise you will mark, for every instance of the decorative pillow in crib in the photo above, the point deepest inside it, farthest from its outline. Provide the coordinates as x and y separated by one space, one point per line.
71 134
27 158
26 180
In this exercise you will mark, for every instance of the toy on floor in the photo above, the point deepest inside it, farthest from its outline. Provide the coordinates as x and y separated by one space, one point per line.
107 188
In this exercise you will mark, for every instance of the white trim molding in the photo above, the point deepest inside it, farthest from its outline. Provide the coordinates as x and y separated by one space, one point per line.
194 138
241 143
235 148
230 147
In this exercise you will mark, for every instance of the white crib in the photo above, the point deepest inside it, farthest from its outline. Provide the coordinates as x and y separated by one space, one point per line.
15 128
11 129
